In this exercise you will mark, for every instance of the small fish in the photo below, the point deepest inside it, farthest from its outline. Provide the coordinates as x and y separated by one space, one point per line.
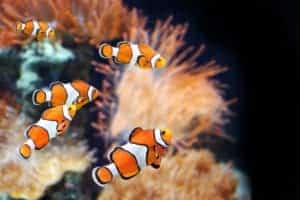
133 54
145 147
36 29
54 122
77 92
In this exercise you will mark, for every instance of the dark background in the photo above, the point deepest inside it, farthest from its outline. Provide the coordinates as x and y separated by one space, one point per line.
259 41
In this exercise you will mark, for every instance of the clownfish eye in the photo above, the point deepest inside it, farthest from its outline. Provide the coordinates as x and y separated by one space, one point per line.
163 132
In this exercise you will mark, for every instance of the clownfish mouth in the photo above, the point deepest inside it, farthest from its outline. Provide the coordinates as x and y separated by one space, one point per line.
155 166
59 130
61 127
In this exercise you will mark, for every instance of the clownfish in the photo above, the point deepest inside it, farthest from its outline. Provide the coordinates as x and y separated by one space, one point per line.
133 54
54 122
145 147
37 29
77 92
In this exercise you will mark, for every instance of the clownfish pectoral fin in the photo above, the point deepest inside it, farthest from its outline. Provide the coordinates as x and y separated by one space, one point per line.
143 62
102 176
19 26
157 161
105 50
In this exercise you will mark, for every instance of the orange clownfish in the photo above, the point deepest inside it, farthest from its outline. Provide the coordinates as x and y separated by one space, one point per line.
77 92
133 54
145 147
54 121
37 29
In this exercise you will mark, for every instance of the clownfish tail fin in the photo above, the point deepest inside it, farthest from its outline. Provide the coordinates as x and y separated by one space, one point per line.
102 175
105 50
25 149
39 96
19 26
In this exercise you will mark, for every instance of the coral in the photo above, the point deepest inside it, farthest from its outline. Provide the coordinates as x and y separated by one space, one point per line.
83 19
193 175
8 37
107 106
182 96
29 178
8 104
41 56
68 188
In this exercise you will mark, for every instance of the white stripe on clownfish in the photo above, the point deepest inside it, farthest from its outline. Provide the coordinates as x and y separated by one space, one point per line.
48 94
139 152
22 26
50 126
112 168
154 59
72 93
115 51
48 30
36 27
135 54
90 93
30 143
158 139
66 112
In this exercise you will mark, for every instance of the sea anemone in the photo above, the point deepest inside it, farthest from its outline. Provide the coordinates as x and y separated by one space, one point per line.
182 97
29 178
192 175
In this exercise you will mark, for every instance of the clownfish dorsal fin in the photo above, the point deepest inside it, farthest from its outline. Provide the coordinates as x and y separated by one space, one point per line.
134 132
54 84
121 43
78 81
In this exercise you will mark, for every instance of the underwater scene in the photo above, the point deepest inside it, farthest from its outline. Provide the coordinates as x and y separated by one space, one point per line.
100 101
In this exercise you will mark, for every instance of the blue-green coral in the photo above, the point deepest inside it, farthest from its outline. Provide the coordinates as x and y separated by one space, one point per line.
40 58
4 196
